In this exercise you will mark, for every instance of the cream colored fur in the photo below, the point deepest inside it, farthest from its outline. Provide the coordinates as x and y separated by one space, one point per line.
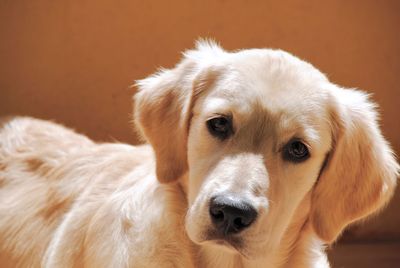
66 201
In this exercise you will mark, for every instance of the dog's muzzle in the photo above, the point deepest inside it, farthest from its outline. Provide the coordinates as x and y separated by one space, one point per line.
231 214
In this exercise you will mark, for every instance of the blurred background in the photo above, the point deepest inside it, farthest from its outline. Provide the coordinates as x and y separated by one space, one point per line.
73 62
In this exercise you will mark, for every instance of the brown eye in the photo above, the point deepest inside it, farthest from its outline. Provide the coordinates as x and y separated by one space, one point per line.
220 127
296 151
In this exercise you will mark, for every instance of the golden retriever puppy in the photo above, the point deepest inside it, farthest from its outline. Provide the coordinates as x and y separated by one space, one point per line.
255 160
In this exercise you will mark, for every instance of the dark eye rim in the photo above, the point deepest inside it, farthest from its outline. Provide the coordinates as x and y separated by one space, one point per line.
221 134
290 156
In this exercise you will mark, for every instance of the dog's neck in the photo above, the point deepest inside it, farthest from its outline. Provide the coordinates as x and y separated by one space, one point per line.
299 247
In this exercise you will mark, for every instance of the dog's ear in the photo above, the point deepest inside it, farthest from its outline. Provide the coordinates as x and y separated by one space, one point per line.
361 171
163 107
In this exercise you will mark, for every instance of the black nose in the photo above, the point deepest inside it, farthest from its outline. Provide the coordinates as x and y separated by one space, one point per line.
231 214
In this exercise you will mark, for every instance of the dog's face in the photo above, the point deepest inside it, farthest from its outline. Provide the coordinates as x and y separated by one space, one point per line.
256 132
256 144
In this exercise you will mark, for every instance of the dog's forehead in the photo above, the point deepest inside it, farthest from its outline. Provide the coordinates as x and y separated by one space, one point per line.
271 81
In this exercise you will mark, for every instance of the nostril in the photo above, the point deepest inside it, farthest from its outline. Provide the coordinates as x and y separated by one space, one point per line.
244 220
239 224
217 213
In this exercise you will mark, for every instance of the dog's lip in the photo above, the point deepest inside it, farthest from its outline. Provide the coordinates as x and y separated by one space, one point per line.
232 245
221 242
232 242
212 235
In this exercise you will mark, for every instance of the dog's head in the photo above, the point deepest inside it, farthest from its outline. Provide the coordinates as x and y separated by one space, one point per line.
257 131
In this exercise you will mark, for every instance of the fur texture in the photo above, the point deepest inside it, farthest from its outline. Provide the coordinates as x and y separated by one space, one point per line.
66 201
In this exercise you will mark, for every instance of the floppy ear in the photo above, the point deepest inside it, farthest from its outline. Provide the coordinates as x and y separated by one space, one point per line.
163 108
360 173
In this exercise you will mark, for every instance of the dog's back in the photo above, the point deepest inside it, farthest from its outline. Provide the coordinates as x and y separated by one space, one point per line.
63 197
32 197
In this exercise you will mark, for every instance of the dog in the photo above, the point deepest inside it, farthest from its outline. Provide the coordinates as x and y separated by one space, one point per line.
255 159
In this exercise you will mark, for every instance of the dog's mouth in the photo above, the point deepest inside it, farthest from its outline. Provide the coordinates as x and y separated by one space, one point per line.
229 242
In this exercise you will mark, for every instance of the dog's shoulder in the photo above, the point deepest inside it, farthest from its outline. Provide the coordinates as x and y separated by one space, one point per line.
25 134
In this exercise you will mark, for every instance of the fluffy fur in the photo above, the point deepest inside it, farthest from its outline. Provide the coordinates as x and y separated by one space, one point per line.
66 201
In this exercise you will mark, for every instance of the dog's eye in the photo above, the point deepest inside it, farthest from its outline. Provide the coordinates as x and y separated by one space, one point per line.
296 151
220 127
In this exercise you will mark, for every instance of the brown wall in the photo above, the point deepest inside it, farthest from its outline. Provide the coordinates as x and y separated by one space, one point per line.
73 61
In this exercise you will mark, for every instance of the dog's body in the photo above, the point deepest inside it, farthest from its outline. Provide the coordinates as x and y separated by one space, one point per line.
84 204
98 205
66 201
